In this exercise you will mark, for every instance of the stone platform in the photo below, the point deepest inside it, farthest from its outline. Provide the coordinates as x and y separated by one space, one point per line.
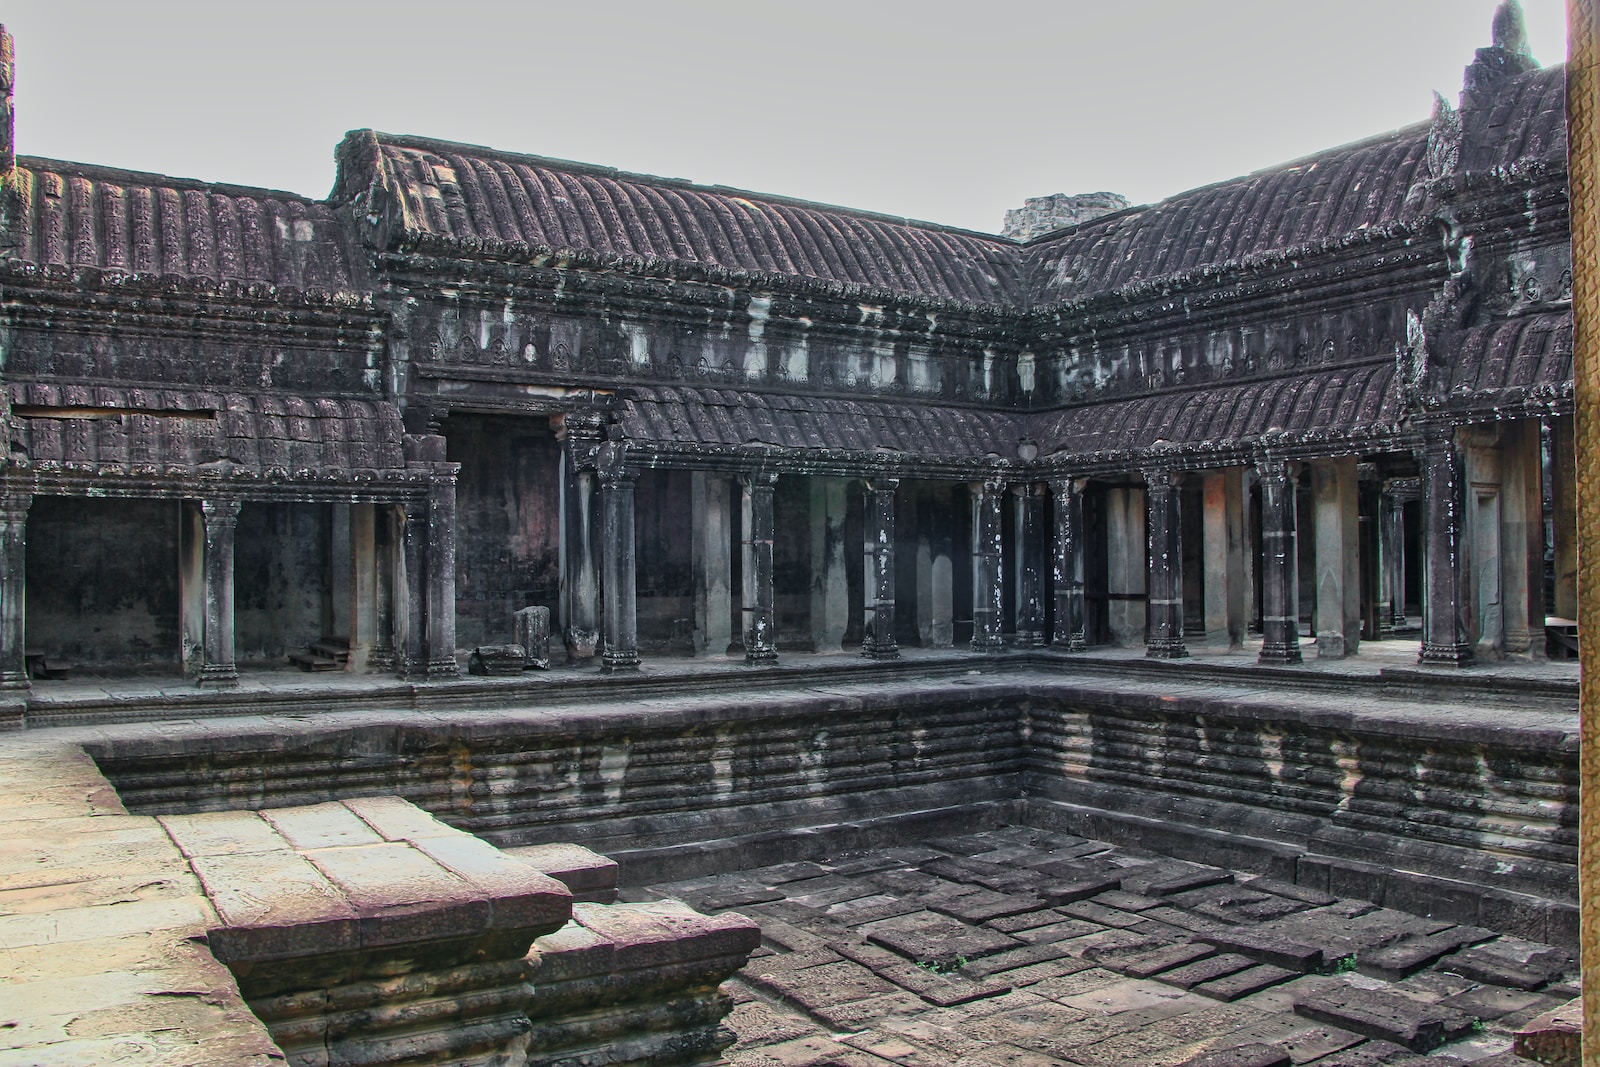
1023 948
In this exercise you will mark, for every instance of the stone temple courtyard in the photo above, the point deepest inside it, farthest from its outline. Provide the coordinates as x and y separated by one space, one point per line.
1023 948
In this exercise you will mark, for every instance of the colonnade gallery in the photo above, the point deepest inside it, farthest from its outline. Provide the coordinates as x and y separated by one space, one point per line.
1329 402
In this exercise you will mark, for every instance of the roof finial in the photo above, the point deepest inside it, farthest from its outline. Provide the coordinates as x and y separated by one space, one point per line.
8 137
1511 28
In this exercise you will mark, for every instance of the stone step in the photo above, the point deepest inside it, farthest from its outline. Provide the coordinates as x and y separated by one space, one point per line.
308 661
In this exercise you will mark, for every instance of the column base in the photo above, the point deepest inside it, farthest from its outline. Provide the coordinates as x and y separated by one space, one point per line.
989 644
583 644
440 669
15 680
1074 643
1452 655
1280 655
875 651
1031 639
1173 648
619 661
381 661
760 655
218 676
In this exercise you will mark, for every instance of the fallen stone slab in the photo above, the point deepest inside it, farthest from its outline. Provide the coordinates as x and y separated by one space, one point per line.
1165 879
1265 948
1252 1055
1385 1015
1206 970
1403 958
1150 964
926 937
1555 1038
1510 961
940 990
1244 983
984 904
1384 1054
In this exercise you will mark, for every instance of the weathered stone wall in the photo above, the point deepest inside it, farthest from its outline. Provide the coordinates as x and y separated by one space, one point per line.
508 528
103 582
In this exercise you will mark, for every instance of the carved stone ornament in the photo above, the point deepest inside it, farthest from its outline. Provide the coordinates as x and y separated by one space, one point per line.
1444 138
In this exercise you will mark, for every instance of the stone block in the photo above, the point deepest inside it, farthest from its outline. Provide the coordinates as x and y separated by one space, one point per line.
530 628
321 826
924 937
1251 1055
1396 961
1385 1015
1244 983
1510 961
589 876
1267 948
497 661
1555 1038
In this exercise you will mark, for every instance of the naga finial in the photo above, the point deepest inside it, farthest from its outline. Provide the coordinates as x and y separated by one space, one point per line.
1511 28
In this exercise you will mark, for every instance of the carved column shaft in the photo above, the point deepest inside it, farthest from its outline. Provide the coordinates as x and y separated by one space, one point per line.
441 580
986 570
621 651
386 543
411 572
1028 530
1068 566
13 590
1164 538
878 640
221 519
580 435
758 576
1444 603
1280 570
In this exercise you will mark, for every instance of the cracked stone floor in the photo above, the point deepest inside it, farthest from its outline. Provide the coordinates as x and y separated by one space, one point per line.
1023 948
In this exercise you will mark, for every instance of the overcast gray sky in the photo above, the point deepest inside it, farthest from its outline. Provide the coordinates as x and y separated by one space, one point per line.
950 113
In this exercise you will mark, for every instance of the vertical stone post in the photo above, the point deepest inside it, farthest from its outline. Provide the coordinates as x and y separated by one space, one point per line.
712 562
1444 602
1222 526
387 571
986 566
1564 516
941 518
409 572
13 589
580 436
1401 491
1337 557
1028 557
338 620
1522 537
1126 570
1390 523
830 590
221 518
191 587
1164 532
363 585
440 569
1280 566
1068 635
759 649
621 612
878 640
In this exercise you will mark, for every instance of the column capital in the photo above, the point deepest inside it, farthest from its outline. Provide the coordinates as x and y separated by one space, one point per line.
990 484
15 504
758 479
1160 477
220 509
881 483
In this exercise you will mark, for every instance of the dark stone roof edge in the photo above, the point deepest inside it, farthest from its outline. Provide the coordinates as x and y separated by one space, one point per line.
101 172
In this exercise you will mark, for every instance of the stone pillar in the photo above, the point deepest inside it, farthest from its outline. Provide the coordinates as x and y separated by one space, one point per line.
830 588
1391 524
1226 584
1337 554
878 616
387 571
1400 492
1164 533
759 649
1564 516
1522 537
1028 537
712 562
363 583
1126 571
13 589
941 571
1067 572
337 620
620 636
1280 565
217 669
440 590
191 587
1444 601
580 436
410 573
986 566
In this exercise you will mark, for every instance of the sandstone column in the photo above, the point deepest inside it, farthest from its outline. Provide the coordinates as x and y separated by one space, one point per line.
13 589
878 640
217 669
1223 543
1444 629
1280 566
1027 537
1164 533
1068 566
620 637
986 566
1126 570
1564 516
363 584
712 562
1337 555
440 589
410 601
580 436
830 590
1522 537
191 587
758 595
386 542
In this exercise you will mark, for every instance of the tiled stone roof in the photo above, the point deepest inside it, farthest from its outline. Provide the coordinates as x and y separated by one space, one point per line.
463 192
165 432
1528 120
80 216
1511 363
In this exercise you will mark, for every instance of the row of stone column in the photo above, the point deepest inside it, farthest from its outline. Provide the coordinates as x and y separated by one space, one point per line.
401 587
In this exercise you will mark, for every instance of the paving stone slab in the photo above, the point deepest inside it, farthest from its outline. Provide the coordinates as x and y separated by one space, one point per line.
1063 929
1385 1015
985 904
1252 1055
1265 948
1166 878
1090 911
1204 970
927 937
1510 961
939 989
1403 958
1278 887
1148 964
1245 983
